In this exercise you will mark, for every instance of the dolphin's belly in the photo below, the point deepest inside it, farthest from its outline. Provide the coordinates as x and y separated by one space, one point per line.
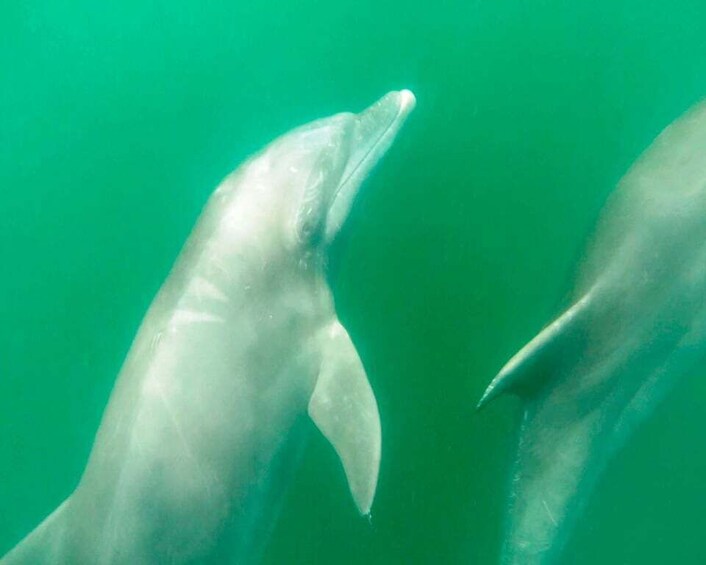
191 426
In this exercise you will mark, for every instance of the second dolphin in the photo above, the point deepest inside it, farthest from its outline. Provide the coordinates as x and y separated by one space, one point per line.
636 323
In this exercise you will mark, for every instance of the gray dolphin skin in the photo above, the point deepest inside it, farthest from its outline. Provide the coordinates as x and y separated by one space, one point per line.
209 411
637 322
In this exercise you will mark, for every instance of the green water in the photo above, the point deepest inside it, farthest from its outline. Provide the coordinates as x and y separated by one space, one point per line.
117 121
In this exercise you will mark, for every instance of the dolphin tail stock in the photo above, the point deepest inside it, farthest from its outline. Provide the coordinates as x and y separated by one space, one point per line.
527 370
41 545
551 480
344 409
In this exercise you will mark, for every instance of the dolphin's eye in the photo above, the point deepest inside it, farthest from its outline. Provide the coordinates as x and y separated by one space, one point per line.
309 224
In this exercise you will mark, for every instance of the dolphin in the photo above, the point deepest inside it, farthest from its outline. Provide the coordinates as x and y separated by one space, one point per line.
636 322
208 413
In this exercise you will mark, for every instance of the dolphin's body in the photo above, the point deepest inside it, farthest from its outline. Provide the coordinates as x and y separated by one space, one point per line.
637 321
240 342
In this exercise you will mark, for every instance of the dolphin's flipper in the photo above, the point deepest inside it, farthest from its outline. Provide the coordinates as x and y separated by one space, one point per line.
526 371
344 408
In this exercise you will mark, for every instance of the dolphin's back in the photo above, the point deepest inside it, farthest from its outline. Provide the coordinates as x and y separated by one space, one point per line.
657 204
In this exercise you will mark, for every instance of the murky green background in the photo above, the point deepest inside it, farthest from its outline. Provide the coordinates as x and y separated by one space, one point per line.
116 121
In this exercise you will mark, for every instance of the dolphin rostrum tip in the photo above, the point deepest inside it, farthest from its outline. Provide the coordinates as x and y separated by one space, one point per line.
407 99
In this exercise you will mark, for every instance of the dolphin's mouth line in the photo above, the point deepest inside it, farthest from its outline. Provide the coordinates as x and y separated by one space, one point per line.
366 156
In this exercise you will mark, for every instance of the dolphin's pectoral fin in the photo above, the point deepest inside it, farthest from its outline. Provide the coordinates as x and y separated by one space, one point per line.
527 366
344 408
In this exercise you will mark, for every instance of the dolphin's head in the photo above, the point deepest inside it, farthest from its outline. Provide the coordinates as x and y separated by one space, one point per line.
313 173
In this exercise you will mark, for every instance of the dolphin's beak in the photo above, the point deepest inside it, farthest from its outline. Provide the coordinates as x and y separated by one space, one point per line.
374 131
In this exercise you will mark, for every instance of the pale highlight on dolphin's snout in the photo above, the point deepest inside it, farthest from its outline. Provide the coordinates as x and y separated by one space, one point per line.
407 100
